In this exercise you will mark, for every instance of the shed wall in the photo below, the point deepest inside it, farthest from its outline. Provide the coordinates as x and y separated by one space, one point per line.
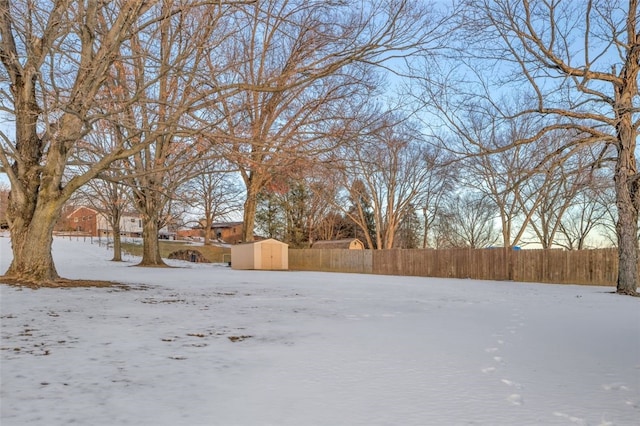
242 256
266 254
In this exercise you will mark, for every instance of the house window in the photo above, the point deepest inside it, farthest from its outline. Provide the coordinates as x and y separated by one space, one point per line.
75 219
139 223
133 220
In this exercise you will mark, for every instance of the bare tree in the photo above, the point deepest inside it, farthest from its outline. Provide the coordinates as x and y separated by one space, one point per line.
606 198
305 67
583 216
167 59
105 193
579 65
439 182
110 198
467 221
409 230
56 57
357 207
214 192
331 226
503 176
297 212
326 219
556 189
388 167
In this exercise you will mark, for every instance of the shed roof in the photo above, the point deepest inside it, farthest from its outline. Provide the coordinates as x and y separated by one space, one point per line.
77 209
268 240
336 244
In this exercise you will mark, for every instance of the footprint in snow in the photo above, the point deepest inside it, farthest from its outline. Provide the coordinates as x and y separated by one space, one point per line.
511 383
633 404
515 399
491 350
615 387
572 419
487 370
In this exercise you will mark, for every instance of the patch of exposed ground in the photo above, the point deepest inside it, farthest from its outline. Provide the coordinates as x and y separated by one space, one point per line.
61 283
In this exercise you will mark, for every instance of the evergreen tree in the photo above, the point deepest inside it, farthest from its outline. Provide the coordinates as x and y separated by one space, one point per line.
270 220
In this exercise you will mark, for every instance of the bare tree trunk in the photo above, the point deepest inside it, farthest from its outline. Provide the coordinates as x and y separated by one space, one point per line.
31 242
150 245
390 233
148 204
32 209
117 241
627 228
35 201
627 184
36 158
207 230
626 178
208 221
425 235
249 215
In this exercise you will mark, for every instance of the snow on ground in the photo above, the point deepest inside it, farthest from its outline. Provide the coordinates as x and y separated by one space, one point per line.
206 345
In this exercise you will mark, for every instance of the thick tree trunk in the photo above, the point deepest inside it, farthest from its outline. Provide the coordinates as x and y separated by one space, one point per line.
627 181
390 235
249 216
254 183
148 205
150 244
117 242
627 186
31 242
207 229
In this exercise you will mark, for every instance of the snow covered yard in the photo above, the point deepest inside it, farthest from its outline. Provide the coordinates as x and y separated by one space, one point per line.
207 345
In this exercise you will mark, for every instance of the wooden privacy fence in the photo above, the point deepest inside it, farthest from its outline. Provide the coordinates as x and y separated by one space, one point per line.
590 267
331 260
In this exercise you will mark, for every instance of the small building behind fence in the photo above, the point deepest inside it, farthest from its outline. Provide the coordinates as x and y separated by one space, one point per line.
347 243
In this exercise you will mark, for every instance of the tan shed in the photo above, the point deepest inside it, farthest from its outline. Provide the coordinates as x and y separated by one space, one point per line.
267 254
348 243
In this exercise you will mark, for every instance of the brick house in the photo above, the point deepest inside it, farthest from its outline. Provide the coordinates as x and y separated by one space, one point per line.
192 233
90 222
228 232
80 219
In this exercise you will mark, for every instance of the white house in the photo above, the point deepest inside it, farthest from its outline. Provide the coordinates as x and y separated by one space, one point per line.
130 225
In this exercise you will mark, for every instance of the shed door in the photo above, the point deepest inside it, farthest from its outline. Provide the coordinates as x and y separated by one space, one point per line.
271 256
